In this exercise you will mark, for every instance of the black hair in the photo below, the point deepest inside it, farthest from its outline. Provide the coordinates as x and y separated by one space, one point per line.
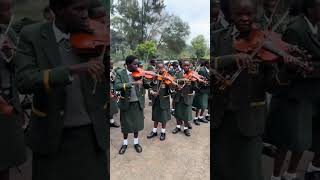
57 4
130 59
204 63
152 61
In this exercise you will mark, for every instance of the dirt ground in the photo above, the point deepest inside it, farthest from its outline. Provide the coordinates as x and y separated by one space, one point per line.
178 157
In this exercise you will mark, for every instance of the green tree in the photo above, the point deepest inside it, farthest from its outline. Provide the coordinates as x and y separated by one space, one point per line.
174 35
146 50
136 20
199 46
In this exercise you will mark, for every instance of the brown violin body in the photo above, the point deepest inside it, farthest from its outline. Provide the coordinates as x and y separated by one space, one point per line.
258 37
91 44
194 76
150 75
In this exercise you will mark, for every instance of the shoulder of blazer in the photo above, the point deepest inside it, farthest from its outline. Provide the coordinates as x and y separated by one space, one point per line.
34 31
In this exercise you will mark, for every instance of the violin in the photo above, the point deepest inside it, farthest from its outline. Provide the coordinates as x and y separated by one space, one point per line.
150 75
91 44
257 37
194 76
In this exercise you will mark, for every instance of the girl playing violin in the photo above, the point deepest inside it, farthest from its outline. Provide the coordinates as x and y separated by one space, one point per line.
160 96
131 103
183 99
239 111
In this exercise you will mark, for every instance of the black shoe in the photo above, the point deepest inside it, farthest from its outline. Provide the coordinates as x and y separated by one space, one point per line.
187 132
162 136
123 149
194 109
203 120
138 148
115 125
196 122
207 118
312 175
152 134
176 130
172 112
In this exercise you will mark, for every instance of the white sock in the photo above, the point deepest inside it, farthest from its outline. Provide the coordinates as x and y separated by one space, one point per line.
125 142
196 118
154 130
111 121
135 141
185 128
163 130
200 117
289 176
179 126
312 168
172 109
208 115
275 178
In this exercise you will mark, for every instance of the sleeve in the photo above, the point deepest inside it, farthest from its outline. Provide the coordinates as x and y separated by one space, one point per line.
219 62
29 76
119 85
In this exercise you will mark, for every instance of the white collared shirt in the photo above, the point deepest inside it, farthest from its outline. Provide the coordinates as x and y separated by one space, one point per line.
207 69
314 29
59 34
128 72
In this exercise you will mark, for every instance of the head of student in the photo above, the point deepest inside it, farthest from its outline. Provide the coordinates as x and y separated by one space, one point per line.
132 63
186 66
71 15
5 11
160 67
311 9
243 13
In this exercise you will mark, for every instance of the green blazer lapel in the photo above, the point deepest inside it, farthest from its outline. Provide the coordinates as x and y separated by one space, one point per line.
125 76
49 45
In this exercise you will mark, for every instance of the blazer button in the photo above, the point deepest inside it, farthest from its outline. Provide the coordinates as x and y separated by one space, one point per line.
61 113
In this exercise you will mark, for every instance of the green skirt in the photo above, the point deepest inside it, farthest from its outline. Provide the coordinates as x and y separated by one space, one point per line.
200 100
159 114
113 106
289 124
79 157
12 144
183 112
236 156
132 119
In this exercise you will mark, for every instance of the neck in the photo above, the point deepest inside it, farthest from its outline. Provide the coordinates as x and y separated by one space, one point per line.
61 26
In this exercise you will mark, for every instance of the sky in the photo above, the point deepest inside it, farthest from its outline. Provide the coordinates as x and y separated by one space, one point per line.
195 12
